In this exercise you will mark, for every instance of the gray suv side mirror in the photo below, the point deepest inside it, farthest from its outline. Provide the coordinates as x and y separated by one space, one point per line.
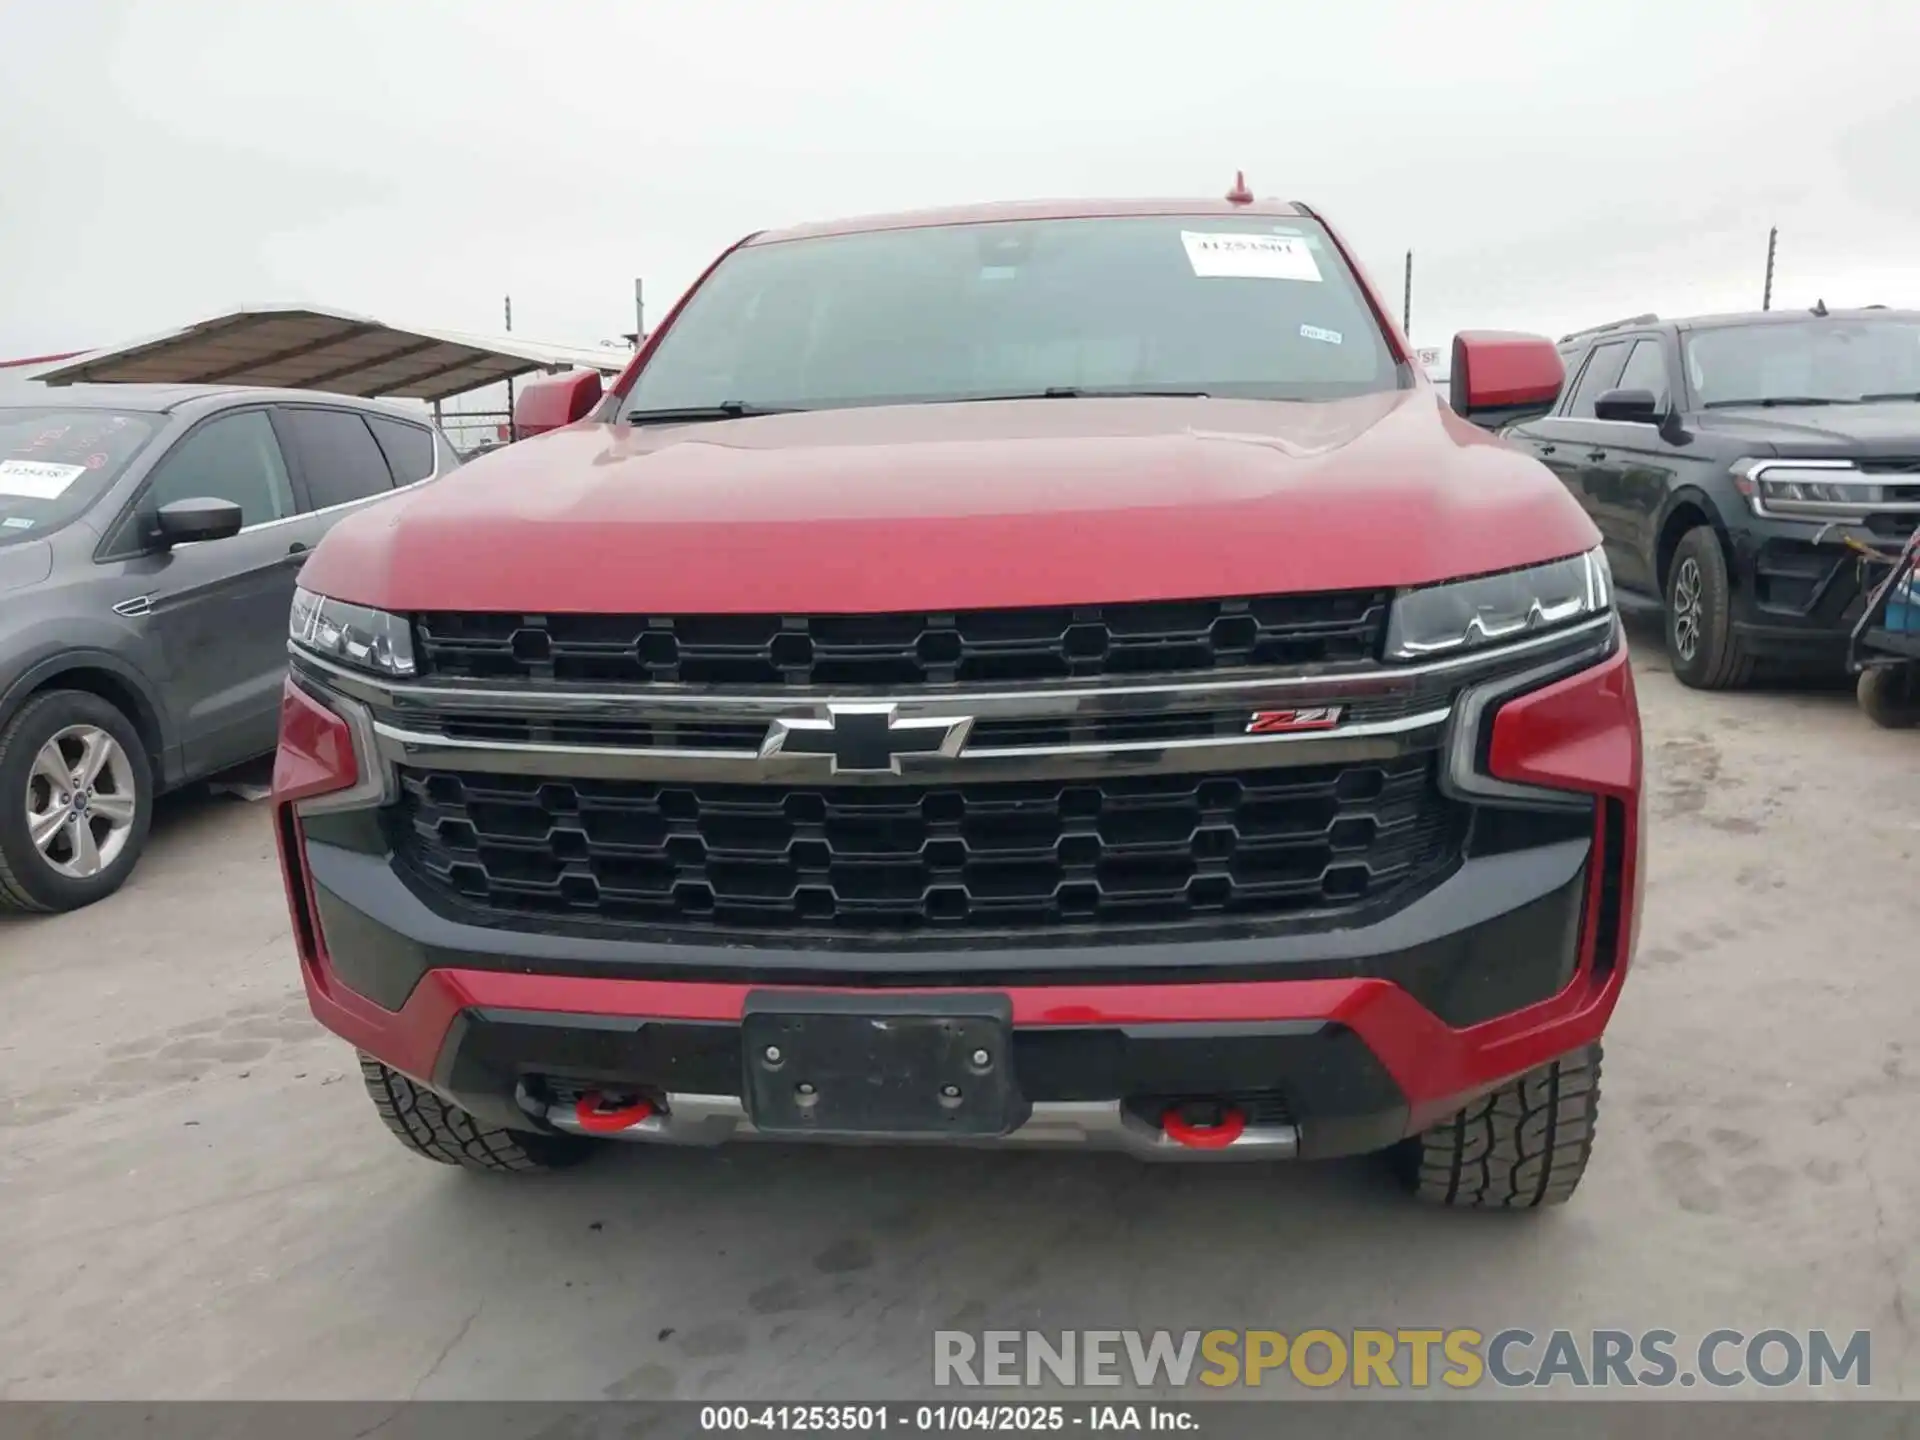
184 521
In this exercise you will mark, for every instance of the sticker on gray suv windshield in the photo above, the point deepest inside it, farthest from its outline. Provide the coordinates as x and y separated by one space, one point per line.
1314 332
16 522
37 479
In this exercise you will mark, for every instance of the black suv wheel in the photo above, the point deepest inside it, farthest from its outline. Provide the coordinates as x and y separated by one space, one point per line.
1701 641
76 797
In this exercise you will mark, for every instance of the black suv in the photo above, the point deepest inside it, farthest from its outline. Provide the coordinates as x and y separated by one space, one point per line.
1726 461
149 540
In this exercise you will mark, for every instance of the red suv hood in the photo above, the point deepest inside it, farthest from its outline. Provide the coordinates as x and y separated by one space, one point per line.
959 507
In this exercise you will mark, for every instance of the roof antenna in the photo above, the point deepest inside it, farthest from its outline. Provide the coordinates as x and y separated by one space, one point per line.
1240 194
1820 307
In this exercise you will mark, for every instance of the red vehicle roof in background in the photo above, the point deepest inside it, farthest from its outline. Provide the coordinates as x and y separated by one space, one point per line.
40 359
1027 210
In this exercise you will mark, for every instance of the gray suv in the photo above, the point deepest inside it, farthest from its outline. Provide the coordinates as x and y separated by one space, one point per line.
149 540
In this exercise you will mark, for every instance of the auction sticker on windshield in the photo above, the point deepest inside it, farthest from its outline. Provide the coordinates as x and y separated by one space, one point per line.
1249 257
37 479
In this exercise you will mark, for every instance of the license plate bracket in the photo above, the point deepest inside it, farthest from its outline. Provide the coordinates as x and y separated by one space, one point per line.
879 1065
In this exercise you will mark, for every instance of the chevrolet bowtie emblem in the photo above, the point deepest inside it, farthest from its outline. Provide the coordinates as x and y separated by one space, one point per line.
866 738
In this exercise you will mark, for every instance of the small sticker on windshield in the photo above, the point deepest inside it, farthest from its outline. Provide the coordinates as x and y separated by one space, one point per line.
1314 332
998 272
16 522
37 479
1217 255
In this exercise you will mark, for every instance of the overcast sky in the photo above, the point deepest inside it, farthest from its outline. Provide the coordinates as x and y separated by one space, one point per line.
1550 166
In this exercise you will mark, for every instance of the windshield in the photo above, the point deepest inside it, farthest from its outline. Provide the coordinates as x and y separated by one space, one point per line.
1245 306
1837 360
55 463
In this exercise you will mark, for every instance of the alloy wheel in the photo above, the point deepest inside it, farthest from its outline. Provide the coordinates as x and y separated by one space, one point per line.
80 801
1685 609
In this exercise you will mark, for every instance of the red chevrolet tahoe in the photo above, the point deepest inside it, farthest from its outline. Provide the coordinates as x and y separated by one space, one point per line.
1038 673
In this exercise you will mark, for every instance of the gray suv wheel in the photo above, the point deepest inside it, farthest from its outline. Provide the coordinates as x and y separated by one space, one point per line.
76 797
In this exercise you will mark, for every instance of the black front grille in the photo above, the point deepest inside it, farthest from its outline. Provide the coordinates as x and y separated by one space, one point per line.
962 858
977 646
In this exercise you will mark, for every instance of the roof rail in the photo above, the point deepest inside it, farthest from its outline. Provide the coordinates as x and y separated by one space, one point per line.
1647 319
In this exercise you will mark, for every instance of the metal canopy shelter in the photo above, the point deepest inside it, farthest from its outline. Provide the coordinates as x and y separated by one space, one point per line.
300 347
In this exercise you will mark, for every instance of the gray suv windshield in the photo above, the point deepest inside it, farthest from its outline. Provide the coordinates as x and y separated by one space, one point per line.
1260 307
55 463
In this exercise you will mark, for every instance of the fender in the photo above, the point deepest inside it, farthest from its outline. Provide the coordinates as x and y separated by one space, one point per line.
1691 492
152 719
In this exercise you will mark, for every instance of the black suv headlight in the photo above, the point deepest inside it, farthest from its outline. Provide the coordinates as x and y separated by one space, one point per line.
1493 609
1818 490
352 635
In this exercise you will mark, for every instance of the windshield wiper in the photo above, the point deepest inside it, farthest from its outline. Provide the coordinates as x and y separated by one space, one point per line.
1769 401
691 414
1075 392
1891 395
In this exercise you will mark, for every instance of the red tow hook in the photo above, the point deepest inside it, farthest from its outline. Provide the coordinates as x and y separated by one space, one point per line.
1198 1136
598 1118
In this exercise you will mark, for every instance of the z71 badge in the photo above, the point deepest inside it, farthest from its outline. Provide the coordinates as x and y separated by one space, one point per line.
1288 722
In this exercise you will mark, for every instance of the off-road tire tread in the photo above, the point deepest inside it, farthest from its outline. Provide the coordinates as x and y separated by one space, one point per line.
14 896
1522 1147
1723 661
429 1126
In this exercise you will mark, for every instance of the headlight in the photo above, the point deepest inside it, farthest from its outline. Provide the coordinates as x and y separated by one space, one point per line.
1493 608
1812 490
354 635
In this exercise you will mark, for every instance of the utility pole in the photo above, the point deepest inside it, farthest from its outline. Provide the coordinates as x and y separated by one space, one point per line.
512 434
1766 295
1406 301
639 314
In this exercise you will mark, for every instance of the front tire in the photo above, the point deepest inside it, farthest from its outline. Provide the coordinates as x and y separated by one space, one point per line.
76 798
1701 642
429 1126
1523 1147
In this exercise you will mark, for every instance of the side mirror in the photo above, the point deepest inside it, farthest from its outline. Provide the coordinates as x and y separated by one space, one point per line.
1501 378
184 521
1636 407
557 402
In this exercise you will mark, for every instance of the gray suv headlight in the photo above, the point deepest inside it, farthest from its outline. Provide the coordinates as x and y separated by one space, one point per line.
1466 614
352 635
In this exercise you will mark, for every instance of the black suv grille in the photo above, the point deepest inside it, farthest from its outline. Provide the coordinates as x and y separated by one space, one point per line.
979 646
1118 850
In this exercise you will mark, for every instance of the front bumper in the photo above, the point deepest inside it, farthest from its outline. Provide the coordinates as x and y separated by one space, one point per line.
1328 1041
1521 953
1799 588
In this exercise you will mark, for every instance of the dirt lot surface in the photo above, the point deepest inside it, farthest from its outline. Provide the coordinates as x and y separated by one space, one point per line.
199 1202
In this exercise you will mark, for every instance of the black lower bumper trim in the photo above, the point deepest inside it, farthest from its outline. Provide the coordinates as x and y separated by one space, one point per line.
1501 932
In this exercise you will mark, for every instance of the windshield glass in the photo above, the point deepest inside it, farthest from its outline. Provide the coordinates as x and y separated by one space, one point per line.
1245 306
55 463
1838 360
